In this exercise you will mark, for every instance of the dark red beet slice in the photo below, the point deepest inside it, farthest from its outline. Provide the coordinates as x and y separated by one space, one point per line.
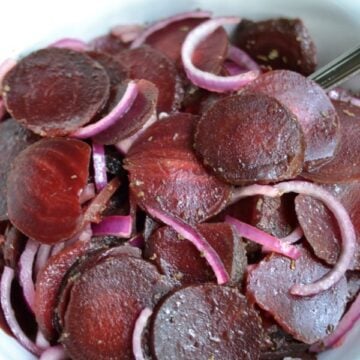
250 138
308 319
120 287
177 258
116 71
206 322
13 139
275 216
55 91
166 174
44 186
13 246
48 285
108 43
142 109
310 104
345 164
150 64
278 43
320 227
209 56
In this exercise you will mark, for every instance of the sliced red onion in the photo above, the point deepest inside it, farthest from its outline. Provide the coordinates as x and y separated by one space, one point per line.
137 241
343 95
5 67
241 58
85 235
140 326
252 190
113 116
193 235
127 33
94 211
42 257
5 297
115 225
26 264
57 248
336 338
99 163
70 43
87 193
346 229
204 79
260 237
54 353
40 341
165 22
124 145
294 236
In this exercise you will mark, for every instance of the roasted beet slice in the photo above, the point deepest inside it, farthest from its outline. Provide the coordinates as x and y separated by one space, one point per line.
141 110
311 105
13 139
308 319
206 322
250 138
275 216
320 227
178 258
209 56
166 174
43 189
345 164
150 64
116 71
278 43
109 44
120 287
55 91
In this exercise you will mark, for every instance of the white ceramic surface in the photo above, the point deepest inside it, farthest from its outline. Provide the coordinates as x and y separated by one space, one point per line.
29 24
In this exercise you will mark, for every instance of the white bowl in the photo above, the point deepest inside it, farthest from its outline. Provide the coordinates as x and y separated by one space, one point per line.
27 25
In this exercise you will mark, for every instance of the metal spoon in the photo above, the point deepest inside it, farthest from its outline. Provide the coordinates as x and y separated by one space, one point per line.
338 70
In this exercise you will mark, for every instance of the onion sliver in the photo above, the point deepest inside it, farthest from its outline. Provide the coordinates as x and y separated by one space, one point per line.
346 229
42 257
112 117
54 353
99 163
26 264
127 33
260 237
191 234
70 43
140 326
165 22
348 321
115 225
5 296
204 79
241 58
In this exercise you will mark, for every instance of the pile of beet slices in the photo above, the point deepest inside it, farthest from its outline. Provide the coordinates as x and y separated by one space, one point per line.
170 192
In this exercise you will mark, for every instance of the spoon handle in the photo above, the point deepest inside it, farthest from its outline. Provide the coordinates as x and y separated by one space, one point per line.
338 70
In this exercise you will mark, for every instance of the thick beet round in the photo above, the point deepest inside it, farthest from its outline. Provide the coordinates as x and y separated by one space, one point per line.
278 43
178 258
55 91
165 173
250 138
104 304
312 107
43 189
344 166
13 139
308 318
149 64
206 322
